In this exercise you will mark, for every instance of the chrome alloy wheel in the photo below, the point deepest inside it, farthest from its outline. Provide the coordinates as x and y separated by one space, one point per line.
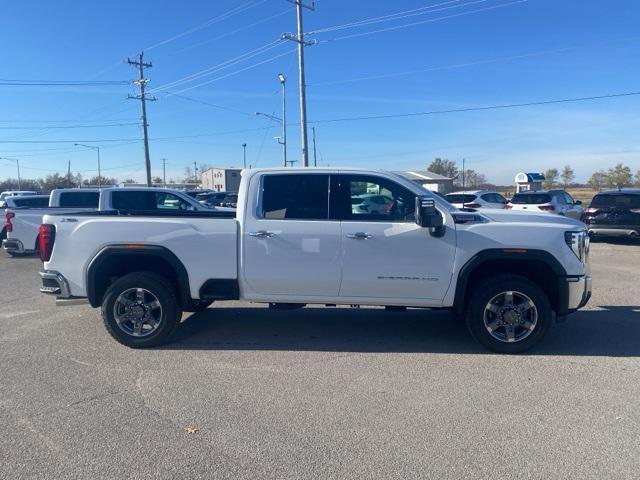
510 317
137 312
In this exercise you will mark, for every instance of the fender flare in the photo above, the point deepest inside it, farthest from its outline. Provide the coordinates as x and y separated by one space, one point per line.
514 254
112 252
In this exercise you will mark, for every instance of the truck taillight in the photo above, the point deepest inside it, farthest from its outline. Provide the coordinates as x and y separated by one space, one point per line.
46 237
8 226
547 208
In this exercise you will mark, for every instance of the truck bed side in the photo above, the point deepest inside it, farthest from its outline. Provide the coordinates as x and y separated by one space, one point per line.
205 245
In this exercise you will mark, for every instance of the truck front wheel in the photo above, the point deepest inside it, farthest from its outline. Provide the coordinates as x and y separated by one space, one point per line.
508 314
141 310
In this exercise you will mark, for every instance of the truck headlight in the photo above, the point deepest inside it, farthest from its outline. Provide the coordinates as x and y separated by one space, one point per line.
578 242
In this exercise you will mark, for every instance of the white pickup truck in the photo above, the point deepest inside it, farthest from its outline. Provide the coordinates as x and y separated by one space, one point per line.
22 224
297 239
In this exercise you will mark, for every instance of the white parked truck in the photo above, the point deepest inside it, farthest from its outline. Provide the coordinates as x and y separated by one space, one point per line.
295 240
22 224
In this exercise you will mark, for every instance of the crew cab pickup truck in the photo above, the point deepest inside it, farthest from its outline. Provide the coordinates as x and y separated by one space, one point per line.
295 240
22 224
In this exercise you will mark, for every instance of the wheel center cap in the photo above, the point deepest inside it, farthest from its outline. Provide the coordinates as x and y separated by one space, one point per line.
137 312
511 317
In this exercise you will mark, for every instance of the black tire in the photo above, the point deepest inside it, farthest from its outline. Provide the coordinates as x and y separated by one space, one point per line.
17 254
164 292
494 286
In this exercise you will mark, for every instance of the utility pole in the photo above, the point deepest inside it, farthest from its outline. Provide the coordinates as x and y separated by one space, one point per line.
17 165
463 172
195 172
141 82
244 155
315 159
164 172
299 38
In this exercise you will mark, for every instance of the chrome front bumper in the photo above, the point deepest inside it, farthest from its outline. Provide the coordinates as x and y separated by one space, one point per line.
13 245
579 291
614 232
54 283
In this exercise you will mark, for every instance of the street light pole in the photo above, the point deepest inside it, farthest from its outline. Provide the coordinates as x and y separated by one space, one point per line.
283 142
244 155
97 149
18 166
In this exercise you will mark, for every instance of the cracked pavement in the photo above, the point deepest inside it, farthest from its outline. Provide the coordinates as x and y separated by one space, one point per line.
245 392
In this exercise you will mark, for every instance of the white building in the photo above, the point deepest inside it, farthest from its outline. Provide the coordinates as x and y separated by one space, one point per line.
221 179
529 182
429 180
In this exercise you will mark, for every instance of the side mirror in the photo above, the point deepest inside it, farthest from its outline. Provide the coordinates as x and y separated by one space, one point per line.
427 215
578 202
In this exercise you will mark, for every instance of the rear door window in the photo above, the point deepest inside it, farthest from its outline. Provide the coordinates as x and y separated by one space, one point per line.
79 199
32 202
530 198
295 197
147 200
460 198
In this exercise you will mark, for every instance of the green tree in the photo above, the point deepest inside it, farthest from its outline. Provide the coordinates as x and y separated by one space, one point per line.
620 176
157 180
550 178
598 180
444 167
567 175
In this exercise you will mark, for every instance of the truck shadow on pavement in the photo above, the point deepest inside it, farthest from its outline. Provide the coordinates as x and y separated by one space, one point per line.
608 331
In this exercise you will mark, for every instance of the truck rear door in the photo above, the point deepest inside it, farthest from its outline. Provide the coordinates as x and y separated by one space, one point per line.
290 246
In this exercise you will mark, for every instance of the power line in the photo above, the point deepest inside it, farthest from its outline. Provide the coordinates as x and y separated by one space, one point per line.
208 23
55 83
422 22
232 32
465 64
244 69
394 16
478 109
69 126
221 107
220 66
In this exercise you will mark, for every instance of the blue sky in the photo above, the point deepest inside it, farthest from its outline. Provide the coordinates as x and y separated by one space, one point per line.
516 52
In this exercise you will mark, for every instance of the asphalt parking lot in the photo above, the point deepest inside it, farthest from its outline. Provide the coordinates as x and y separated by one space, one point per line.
245 392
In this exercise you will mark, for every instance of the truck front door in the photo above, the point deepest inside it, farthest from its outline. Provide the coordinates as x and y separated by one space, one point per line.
385 254
291 249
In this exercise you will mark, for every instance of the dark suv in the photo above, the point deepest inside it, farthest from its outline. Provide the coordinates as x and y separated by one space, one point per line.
218 199
614 213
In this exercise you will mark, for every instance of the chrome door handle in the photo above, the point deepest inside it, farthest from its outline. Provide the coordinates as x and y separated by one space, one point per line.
261 234
359 236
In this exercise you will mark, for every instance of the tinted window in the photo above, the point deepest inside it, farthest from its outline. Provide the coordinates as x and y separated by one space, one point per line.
32 202
147 200
530 198
569 199
460 198
302 197
79 199
616 200
369 198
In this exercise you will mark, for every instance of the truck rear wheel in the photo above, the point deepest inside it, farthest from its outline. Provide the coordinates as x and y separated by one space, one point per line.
508 314
141 310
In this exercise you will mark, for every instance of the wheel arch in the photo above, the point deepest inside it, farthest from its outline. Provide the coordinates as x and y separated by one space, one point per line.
537 265
115 261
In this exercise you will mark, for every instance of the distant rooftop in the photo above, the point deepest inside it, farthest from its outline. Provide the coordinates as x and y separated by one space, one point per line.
421 175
